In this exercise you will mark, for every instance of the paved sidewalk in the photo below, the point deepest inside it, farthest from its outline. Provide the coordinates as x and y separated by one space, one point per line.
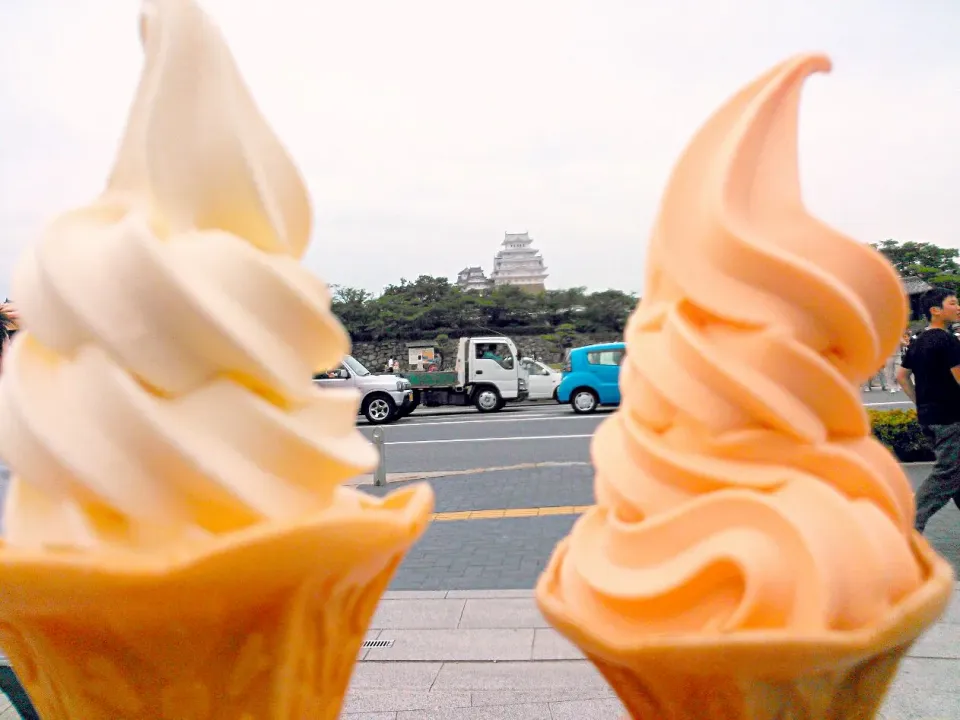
489 655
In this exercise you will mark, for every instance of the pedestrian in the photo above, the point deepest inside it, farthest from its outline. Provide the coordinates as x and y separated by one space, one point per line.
9 683
905 341
930 376
890 370
898 357
880 378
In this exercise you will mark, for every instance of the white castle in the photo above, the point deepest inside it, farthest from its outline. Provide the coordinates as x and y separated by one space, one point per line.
516 263
473 278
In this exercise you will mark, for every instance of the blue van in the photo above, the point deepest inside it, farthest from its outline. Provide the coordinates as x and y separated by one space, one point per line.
591 377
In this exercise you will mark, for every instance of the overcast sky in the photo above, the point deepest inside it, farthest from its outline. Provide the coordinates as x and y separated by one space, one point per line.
426 129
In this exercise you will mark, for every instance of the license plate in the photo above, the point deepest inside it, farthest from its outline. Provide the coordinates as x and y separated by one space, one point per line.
410 396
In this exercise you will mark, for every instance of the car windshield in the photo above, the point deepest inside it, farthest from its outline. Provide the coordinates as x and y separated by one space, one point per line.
355 367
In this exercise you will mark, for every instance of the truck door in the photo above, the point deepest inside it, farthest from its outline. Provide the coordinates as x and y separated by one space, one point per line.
495 363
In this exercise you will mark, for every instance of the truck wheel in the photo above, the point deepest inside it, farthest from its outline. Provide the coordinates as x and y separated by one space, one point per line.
584 401
378 409
487 399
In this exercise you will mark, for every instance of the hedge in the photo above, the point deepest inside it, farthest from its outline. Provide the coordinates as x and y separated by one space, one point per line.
900 431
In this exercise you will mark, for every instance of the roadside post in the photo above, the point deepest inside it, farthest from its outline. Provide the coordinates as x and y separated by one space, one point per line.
380 474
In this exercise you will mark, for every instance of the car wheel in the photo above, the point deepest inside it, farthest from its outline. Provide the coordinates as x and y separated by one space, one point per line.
487 400
379 409
584 401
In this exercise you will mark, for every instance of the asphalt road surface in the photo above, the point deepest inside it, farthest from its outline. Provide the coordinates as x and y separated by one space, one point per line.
509 553
471 440
464 439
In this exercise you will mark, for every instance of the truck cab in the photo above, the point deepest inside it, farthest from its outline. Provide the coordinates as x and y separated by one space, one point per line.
383 398
491 365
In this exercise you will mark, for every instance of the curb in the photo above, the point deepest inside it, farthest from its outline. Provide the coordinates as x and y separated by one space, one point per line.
362 480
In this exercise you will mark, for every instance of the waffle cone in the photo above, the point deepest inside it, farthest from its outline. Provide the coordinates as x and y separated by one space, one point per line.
757 675
264 624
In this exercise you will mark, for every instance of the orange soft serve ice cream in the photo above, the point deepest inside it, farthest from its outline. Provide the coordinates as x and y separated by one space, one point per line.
178 542
750 534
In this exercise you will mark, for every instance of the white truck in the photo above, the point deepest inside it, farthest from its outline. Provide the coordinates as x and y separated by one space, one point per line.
487 374
384 398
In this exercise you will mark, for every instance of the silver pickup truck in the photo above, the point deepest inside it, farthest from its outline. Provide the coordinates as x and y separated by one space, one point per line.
385 398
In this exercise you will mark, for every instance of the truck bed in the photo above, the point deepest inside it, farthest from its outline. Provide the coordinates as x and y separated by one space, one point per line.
425 379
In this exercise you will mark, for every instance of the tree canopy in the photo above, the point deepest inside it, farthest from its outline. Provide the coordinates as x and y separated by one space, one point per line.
431 306
932 263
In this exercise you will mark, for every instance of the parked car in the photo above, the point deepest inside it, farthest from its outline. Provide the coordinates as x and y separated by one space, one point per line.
385 398
591 377
542 380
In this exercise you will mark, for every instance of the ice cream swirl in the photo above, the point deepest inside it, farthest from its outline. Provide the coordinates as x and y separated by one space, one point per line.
739 486
163 387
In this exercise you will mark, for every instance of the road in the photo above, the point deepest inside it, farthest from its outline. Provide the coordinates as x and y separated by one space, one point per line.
510 552
470 440
433 440
531 507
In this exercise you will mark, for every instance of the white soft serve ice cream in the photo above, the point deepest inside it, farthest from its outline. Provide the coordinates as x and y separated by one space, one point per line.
163 388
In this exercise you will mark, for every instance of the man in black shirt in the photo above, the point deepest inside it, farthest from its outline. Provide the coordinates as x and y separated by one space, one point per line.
930 376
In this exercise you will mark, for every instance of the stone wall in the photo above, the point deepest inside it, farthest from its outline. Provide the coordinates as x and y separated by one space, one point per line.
374 355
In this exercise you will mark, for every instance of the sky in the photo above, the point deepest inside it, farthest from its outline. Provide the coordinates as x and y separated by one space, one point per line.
427 129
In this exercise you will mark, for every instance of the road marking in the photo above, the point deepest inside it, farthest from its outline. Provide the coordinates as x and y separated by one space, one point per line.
549 511
525 418
510 513
493 439
481 419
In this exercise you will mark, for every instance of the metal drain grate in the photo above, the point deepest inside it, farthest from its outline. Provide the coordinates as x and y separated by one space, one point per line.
370 644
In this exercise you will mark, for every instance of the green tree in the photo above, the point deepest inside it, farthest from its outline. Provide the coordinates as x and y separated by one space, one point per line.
562 305
429 307
921 259
354 307
607 310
